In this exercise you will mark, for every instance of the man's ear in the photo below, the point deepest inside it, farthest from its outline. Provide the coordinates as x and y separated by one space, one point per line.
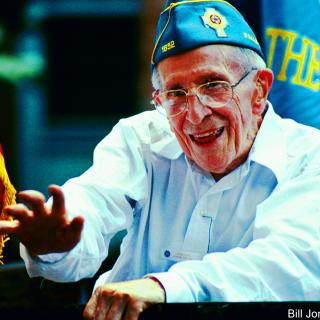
155 97
263 83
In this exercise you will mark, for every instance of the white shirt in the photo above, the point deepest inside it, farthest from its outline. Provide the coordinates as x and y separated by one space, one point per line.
251 236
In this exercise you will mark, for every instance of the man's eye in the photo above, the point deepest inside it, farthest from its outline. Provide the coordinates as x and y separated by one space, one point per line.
215 88
212 85
175 94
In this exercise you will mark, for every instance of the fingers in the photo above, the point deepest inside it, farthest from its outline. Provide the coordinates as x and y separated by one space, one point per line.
102 308
17 211
8 227
99 305
76 225
35 201
58 206
117 309
133 311
43 229
109 304
72 233
90 308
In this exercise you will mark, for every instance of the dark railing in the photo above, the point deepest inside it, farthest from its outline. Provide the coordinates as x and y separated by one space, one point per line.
24 298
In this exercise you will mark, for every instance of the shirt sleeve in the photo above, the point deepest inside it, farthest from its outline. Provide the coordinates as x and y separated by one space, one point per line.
105 195
280 264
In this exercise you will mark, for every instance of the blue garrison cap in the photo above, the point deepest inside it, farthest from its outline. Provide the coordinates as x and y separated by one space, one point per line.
186 25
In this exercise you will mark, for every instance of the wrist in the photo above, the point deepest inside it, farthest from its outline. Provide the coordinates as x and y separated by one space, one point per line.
159 284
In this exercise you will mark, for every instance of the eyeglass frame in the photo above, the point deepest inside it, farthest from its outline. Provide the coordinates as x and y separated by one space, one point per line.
195 91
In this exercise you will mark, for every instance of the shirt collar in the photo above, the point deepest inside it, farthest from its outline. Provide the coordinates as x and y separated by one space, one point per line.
163 140
269 148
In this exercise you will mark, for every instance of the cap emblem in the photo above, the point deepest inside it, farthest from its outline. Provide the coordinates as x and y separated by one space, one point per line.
214 19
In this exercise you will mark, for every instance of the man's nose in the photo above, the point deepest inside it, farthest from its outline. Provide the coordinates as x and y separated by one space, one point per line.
196 111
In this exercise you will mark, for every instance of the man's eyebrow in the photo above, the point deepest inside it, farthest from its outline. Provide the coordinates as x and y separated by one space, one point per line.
173 85
202 77
212 76
176 86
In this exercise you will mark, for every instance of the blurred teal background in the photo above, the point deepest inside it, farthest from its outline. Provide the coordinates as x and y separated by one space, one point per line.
72 71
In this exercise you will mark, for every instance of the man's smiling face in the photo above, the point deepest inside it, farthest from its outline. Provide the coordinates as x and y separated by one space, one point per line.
218 139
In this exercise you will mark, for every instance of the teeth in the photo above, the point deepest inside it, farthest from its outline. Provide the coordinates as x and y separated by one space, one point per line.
216 132
204 135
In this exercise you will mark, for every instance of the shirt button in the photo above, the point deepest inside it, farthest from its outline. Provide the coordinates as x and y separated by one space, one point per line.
167 253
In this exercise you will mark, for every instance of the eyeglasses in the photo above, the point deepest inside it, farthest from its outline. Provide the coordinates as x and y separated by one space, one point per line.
215 94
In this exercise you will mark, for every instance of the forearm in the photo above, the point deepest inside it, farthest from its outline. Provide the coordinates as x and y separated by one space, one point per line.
269 272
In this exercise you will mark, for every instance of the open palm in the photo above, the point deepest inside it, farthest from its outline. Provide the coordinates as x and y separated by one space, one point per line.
40 228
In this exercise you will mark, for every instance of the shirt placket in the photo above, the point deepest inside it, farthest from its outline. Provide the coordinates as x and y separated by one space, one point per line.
197 238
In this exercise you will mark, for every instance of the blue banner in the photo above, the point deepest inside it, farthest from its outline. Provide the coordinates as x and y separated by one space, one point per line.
292 48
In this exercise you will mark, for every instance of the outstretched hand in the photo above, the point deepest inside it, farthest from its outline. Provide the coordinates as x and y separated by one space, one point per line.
40 228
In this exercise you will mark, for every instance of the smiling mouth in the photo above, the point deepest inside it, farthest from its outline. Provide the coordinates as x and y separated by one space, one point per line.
208 136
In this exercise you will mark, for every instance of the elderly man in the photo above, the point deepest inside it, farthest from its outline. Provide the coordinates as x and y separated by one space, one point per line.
218 194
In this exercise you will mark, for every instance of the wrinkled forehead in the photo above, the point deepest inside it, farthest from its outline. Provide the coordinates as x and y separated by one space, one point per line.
222 61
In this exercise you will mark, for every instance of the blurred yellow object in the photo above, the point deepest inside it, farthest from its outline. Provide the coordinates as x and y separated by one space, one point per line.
7 197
